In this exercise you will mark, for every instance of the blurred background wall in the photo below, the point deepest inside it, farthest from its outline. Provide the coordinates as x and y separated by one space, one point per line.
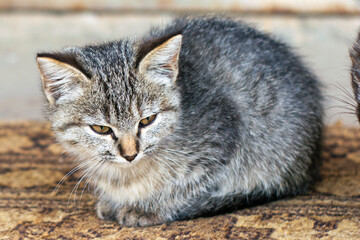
321 31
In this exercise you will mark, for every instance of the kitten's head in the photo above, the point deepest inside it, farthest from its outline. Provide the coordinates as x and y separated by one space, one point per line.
355 73
115 102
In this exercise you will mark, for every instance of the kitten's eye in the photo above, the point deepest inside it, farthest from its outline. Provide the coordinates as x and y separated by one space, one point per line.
101 129
147 121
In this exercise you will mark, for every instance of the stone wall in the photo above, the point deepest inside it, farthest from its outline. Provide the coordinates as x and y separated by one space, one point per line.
244 6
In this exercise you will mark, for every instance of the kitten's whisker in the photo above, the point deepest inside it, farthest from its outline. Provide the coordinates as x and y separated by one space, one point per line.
90 172
343 107
340 113
172 160
177 152
349 100
85 185
89 179
183 154
351 113
79 181
73 192
349 94
164 166
344 90
158 163
63 179
343 101
163 162
75 169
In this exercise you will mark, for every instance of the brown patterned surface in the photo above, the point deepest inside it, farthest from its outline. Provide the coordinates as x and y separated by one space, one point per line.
31 166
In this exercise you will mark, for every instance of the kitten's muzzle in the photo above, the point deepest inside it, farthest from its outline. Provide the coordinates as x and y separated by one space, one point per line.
128 147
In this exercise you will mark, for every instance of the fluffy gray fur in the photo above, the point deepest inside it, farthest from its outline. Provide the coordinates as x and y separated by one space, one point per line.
238 119
355 77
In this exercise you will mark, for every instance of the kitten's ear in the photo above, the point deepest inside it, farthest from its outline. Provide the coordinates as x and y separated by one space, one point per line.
62 79
161 64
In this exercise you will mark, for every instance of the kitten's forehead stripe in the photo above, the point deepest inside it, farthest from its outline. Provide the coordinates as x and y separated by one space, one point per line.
114 77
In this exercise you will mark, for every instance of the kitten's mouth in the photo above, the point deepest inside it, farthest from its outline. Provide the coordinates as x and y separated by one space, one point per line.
110 158
119 161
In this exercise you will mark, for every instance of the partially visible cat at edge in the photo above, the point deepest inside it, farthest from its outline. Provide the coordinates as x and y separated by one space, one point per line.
202 116
355 75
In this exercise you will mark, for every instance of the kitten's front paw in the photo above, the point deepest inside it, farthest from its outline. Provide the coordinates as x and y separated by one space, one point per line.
132 217
104 211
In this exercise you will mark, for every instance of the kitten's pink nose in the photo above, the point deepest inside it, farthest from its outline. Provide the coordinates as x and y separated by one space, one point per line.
130 158
129 147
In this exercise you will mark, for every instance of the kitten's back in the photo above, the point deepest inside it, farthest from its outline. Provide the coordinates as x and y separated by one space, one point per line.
250 95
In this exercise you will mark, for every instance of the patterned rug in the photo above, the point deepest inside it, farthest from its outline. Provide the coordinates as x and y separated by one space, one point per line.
31 165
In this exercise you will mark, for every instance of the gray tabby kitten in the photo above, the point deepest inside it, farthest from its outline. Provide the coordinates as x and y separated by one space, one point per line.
203 116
